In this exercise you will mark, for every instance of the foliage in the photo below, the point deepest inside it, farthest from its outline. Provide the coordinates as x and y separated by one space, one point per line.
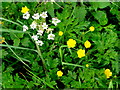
27 65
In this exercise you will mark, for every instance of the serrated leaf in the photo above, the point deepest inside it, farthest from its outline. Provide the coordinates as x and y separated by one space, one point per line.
80 13
19 35
16 42
50 9
101 17
96 5
25 42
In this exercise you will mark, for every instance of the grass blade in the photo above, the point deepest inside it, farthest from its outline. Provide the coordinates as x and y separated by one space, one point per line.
3 45
10 21
17 55
40 79
70 64
11 30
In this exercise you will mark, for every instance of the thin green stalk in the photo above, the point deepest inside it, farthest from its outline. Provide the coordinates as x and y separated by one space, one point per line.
11 30
43 61
18 47
79 82
24 78
70 64
10 21
60 51
20 22
37 78
86 32
16 55
58 5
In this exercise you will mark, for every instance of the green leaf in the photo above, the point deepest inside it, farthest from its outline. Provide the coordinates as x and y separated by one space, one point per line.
19 35
75 84
110 84
16 42
114 10
25 42
101 5
101 17
80 13
3 53
52 63
50 9
13 36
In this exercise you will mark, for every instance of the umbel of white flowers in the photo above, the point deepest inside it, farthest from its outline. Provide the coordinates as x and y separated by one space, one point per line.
40 28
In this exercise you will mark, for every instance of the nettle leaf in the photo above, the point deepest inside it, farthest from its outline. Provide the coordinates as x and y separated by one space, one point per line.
16 42
101 17
50 9
13 36
80 13
25 42
20 35
101 5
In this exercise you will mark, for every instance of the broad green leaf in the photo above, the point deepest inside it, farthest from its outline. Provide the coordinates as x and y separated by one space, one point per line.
80 13
50 9
19 35
101 17
16 42
25 42
101 5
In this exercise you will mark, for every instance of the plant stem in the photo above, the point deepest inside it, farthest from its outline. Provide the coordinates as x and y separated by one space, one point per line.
37 78
18 47
60 51
43 61
16 55
72 64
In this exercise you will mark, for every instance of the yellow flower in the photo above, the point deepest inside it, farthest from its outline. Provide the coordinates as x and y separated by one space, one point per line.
87 44
59 73
87 65
81 53
92 28
2 39
71 43
108 73
24 9
60 33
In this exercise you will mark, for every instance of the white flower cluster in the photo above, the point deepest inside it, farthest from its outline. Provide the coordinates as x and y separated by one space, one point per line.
41 26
